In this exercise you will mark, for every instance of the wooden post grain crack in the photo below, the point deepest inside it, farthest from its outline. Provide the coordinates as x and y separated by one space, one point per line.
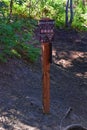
46 77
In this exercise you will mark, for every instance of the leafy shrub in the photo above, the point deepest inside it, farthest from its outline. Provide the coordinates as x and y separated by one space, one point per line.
14 39
79 18
27 52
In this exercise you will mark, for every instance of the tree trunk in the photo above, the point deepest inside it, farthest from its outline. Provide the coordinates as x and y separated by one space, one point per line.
68 21
83 2
71 12
11 6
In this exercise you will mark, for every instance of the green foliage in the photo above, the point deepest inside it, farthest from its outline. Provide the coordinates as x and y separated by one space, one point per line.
28 52
79 23
47 8
16 32
7 39
20 2
59 14
80 18
14 39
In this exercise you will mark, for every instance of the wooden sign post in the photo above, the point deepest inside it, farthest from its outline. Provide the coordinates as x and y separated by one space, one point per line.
46 34
46 77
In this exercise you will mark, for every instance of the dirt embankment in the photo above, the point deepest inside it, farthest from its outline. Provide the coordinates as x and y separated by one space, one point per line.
21 88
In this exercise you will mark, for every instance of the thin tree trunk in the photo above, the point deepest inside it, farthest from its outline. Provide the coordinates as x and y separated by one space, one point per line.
83 2
11 7
66 19
71 12
30 8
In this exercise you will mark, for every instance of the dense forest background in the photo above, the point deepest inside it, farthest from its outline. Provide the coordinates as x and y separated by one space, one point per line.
19 18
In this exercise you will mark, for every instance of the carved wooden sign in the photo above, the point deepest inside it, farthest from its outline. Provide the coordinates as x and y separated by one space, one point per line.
46 27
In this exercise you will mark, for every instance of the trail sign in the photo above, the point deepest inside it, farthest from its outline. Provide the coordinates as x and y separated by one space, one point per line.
46 27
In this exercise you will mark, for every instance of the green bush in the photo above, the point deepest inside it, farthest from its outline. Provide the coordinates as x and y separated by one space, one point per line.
80 19
14 39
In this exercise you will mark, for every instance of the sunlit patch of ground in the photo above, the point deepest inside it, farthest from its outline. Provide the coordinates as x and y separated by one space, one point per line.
64 63
70 60
12 123
84 75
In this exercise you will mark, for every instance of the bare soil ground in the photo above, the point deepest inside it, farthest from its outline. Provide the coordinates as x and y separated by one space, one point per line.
21 87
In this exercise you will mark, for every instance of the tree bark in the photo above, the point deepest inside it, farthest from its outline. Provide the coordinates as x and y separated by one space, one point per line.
83 2
68 21
11 7
71 12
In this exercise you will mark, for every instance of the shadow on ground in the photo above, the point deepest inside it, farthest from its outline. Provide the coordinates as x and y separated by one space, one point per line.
21 99
70 51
